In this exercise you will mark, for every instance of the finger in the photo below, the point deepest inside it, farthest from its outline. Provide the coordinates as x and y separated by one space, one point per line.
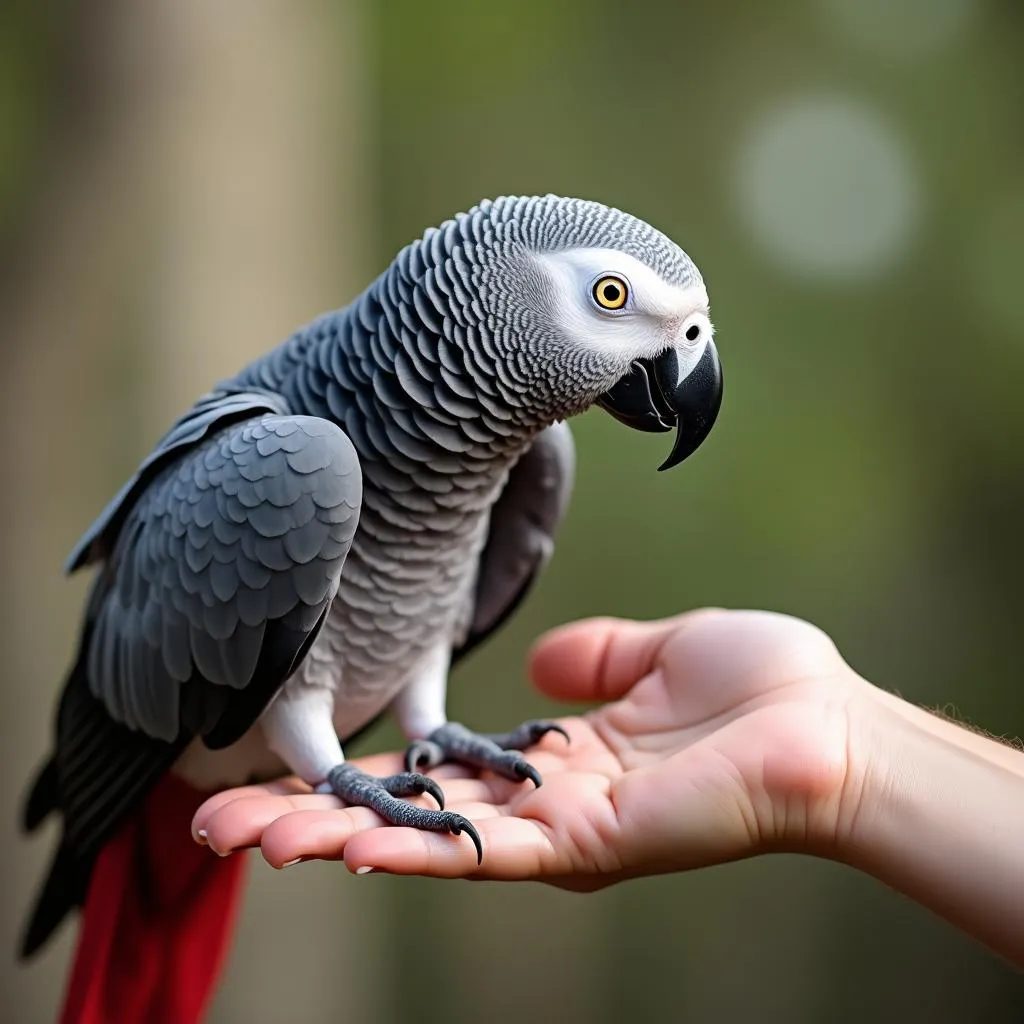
243 822
291 786
600 659
325 835
240 823
514 848
313 835
459 784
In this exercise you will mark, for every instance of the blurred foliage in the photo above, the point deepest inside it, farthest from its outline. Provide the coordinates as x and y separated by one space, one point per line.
867 471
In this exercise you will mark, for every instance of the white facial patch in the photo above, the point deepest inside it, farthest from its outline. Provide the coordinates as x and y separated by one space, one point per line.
655 315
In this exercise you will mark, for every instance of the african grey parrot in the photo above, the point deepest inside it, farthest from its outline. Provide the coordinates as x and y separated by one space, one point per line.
322 536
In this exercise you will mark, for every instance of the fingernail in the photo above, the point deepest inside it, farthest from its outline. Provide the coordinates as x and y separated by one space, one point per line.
365 870
225 853
291 863
201 837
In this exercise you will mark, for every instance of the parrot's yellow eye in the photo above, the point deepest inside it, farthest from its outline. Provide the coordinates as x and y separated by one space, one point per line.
611 292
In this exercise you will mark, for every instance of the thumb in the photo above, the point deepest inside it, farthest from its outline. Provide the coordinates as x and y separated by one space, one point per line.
598 659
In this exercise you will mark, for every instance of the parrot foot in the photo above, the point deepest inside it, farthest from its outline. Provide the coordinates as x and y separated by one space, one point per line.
358 789
497 752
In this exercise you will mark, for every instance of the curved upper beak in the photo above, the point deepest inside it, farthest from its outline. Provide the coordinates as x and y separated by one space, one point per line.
655 396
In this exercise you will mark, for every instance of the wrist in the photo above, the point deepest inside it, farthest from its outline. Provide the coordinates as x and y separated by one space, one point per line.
883 730
874 787
935 819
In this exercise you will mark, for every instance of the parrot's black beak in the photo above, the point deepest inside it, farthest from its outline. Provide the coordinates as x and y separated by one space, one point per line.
655 396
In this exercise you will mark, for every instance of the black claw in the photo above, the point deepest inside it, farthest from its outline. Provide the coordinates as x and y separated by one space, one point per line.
526 771
561 732
527 735
458 825
538 730
431 787
422 754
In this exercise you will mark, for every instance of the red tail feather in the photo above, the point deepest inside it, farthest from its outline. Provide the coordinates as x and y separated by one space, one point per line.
157 920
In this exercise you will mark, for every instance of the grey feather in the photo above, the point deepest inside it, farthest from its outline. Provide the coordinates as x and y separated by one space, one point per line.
302 561
523 527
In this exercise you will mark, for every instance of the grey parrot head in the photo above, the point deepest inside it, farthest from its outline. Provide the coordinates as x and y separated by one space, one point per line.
582 304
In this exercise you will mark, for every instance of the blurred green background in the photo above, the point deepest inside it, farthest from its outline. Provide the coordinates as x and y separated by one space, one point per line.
183 183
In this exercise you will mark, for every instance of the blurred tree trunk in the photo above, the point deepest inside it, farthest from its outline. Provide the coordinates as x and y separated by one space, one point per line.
205 193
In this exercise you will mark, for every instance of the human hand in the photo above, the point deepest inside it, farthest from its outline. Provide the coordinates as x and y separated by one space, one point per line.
725 734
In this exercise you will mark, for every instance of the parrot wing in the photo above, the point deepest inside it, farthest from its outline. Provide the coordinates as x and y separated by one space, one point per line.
220 567
521 538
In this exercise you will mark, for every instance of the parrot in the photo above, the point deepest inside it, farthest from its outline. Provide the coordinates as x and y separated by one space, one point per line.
318 541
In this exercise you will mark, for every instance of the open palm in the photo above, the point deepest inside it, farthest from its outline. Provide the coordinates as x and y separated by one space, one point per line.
722 734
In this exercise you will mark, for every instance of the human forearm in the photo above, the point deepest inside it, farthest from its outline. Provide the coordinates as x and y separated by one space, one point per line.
939 815
1008 755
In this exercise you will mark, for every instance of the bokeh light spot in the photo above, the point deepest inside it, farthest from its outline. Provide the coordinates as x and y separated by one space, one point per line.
826 188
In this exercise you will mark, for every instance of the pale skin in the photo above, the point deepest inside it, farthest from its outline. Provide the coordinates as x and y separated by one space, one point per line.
719 735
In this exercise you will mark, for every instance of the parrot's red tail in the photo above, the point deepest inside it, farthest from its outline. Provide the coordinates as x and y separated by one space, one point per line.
157 920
